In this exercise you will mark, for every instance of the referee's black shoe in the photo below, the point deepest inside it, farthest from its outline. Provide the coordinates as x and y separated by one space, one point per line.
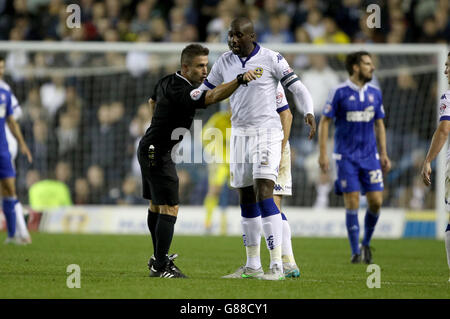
366 253
169 271
152 260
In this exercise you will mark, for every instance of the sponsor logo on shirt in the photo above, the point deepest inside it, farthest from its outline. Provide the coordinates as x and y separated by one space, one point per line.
259 72
361 116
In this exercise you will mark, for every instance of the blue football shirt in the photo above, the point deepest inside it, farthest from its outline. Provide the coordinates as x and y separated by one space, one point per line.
5 111
354 111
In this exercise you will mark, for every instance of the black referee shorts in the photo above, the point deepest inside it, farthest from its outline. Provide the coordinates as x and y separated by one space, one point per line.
159 177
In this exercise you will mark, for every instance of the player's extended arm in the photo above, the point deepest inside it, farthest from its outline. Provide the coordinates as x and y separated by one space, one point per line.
224 90
15 130
437 142
380 133
286 123
324 124
304 102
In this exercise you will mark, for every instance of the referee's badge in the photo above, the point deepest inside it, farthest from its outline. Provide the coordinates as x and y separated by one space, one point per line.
196 94
259 72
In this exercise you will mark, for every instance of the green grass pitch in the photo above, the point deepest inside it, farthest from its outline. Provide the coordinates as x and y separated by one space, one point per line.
115 266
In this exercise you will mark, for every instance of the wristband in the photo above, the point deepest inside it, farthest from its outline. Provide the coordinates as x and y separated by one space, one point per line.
240 79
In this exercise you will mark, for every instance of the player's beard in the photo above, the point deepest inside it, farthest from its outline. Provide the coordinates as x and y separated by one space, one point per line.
363 78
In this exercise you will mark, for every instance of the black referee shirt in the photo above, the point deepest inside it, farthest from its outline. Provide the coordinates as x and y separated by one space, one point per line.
176 101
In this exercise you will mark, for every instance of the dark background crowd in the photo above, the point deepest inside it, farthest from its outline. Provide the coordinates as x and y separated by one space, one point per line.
85 112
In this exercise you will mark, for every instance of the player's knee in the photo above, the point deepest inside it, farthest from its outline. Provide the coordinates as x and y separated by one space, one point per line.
375 206
264 189
247 195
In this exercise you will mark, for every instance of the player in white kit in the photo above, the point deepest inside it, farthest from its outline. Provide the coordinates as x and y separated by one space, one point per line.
439 138
21 235
256 140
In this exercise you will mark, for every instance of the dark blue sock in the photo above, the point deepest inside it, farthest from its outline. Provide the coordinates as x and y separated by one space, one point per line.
10 215
351 221
268 207
369 226
448 227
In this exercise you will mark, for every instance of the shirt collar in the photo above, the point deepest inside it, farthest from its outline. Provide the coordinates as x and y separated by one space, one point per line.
178 73
356 87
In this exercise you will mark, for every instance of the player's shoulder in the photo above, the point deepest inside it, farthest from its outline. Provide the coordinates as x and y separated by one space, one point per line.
373 88
445 97
270 54
341 88
5 85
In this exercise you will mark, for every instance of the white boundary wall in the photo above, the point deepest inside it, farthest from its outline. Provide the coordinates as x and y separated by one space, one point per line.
133 220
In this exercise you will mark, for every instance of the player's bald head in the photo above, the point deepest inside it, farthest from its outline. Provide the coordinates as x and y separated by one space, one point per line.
244 24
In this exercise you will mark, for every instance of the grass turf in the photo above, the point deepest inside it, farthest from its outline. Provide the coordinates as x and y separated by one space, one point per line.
115 267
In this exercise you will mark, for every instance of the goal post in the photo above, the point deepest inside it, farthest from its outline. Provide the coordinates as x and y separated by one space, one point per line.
425 62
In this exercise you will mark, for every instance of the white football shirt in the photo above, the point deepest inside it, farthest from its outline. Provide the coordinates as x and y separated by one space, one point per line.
253 105
444 112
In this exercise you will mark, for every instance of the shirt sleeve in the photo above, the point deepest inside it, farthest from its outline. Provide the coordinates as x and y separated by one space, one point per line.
444 108
215 76
193 98
9 110
282 103
379 111
332 104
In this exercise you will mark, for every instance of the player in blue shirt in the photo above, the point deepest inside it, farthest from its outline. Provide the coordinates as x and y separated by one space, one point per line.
7 173
356 107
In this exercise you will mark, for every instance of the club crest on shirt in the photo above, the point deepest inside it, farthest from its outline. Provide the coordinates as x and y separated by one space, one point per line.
442 108
259 72
371 98
327 108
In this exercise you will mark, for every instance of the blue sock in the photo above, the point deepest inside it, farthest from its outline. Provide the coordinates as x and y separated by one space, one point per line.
448 227
268 207
369 226
10 215
351 221
250 210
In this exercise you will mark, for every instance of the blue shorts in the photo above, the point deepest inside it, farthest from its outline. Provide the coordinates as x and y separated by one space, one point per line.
6 167
359 176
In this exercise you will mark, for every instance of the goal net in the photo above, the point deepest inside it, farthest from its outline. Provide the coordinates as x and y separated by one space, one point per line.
84 110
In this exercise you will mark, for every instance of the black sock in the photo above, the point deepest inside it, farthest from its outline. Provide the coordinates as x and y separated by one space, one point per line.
152 219
164 234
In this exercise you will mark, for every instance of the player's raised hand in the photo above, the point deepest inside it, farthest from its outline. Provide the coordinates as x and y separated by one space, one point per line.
324 163
311 121
385 163
250 75
426 173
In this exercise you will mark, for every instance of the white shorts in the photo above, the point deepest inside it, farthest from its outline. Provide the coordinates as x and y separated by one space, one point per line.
254 153
283 185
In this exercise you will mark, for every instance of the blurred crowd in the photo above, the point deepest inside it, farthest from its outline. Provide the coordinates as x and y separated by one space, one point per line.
83 129
312 21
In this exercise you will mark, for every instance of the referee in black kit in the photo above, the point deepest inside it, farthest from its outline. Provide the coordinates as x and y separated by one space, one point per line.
175 99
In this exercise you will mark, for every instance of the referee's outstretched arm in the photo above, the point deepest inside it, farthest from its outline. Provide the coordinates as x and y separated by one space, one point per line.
223 91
